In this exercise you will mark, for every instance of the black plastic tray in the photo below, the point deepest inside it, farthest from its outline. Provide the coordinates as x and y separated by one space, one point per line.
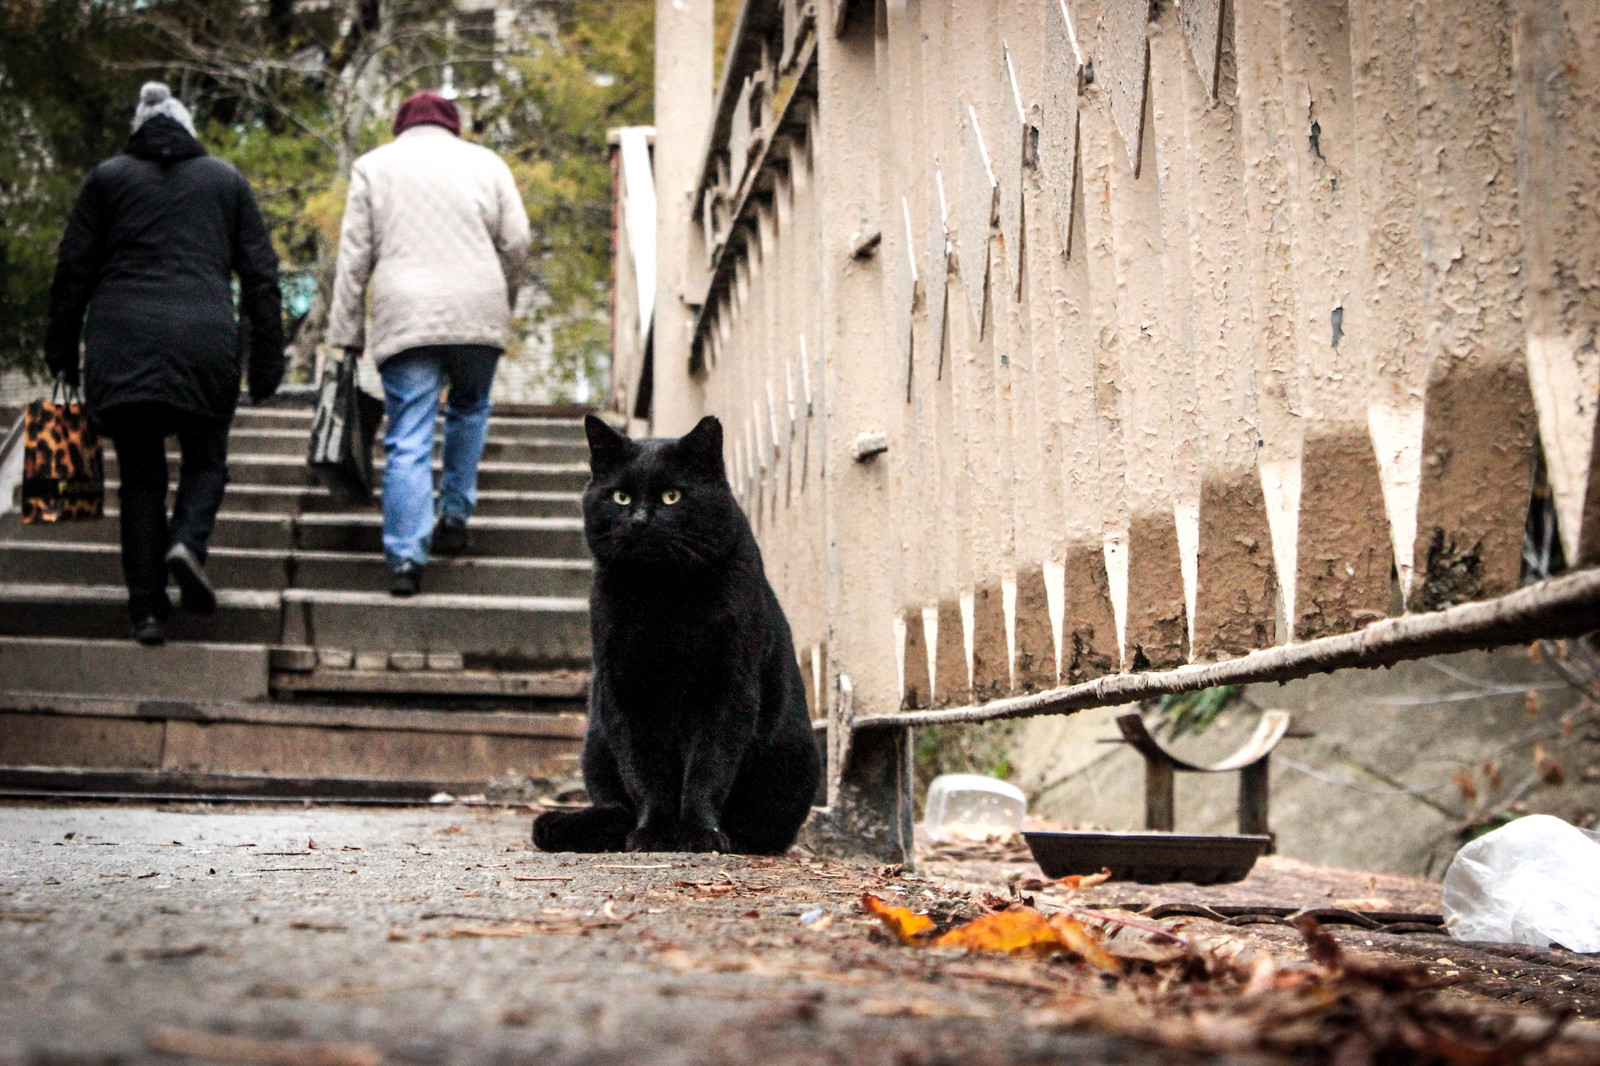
1148 858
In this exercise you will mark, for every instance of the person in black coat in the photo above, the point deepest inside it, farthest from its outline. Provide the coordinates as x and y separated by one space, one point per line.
149 253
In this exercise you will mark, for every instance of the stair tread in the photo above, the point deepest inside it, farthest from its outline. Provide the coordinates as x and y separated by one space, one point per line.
494 465
265 598
442 600
508 562
226 598
373 518
517 721
523 684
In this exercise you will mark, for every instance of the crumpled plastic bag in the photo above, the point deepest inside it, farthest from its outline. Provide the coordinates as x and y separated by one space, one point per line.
1534 881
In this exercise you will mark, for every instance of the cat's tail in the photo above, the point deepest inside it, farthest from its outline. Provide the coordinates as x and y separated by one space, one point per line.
600 828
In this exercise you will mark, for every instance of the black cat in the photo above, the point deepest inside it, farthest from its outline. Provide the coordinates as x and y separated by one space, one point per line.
698 735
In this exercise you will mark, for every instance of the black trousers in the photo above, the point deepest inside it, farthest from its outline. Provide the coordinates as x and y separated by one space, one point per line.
139 433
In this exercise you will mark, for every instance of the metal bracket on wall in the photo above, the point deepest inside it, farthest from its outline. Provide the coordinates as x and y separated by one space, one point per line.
870 802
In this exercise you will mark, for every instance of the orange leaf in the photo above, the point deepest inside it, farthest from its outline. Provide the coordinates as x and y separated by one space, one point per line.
900 920
1074 936
1074 882
1019 929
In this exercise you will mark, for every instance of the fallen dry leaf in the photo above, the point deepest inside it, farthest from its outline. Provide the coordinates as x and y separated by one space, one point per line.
1130 937
183 952
1014 930
901 921
1018 929
1079 940
491 930
1075 882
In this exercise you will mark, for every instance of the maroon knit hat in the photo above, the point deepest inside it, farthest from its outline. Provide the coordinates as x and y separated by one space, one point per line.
427 109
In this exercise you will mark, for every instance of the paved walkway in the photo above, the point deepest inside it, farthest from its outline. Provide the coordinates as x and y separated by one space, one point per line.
436 935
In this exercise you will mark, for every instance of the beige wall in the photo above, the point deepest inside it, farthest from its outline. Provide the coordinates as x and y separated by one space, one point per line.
1264 311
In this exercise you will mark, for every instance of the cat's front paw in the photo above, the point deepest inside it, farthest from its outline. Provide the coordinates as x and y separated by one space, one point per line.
712 839
650 838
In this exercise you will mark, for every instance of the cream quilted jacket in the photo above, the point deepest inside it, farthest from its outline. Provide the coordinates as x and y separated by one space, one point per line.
437 226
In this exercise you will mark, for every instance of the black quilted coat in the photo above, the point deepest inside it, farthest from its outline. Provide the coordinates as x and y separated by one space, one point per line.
149 253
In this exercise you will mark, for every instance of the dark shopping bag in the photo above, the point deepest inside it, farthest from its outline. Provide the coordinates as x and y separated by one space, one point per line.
342 432
63 472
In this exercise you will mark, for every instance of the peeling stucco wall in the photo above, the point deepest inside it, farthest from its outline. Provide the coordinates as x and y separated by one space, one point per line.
1191 329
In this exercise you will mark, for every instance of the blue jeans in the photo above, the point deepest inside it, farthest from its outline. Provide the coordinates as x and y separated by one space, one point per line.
411 383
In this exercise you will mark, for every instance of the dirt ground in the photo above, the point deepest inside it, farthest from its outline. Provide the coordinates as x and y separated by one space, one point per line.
332 936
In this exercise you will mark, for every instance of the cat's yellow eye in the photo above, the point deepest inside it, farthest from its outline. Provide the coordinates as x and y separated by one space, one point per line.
620 498
671 496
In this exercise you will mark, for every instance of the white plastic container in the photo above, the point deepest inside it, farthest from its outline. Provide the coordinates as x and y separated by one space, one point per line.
973 807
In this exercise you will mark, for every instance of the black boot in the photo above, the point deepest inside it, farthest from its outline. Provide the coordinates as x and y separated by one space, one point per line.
190 574
405 579
450 536
150 631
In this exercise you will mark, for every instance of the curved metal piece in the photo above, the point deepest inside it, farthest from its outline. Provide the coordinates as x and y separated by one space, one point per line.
1270 730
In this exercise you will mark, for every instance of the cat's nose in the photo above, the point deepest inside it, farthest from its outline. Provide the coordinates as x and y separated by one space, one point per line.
638 517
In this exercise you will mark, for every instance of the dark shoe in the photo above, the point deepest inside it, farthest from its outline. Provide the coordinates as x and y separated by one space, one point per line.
190 574
450 535
150 631
405 579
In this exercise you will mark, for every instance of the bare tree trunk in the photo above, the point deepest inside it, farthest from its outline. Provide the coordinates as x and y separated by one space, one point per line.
308 338
369 24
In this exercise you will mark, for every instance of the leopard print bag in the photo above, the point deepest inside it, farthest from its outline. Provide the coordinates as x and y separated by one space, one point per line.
63 472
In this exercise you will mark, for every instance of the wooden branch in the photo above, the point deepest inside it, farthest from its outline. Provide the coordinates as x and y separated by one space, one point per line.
1565 606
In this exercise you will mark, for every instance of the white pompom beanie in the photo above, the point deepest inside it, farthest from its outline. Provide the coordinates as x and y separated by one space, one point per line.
156 99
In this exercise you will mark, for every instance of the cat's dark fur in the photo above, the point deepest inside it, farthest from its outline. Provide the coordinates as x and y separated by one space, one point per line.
698 739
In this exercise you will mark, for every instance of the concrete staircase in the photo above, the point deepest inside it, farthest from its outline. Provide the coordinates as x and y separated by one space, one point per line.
310 680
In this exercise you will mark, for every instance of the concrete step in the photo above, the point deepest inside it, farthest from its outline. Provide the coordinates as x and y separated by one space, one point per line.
493 686
294 442
216 747
192 671
515 426
33 562
233 530
525 426
543 538
468 575
273 418
362 531
100 612
291 470
50 563
292 499
489 632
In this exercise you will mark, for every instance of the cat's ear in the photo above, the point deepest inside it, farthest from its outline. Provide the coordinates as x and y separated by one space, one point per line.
702 445
608 449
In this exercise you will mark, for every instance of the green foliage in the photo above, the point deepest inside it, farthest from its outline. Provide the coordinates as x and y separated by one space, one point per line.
1191 713
292 176
555 107
63 108
964 749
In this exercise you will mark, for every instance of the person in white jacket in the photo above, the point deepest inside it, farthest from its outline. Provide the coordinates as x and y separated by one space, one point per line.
435 227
